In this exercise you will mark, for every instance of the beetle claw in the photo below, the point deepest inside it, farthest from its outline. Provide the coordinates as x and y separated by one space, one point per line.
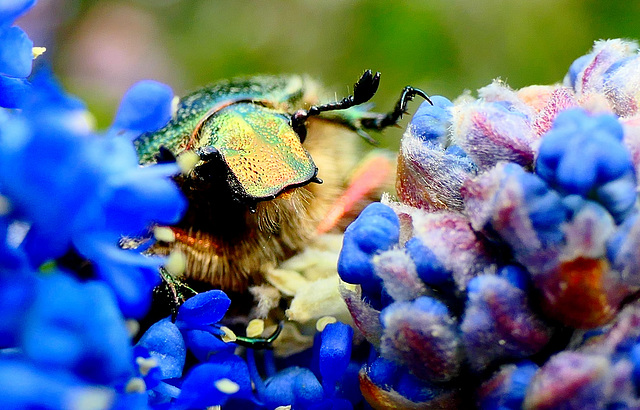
382 121
366 87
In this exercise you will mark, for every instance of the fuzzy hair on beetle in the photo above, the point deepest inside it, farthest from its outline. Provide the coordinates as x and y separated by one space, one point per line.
273 156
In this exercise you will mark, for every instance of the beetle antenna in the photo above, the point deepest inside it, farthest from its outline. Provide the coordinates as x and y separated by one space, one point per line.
382 121
363 90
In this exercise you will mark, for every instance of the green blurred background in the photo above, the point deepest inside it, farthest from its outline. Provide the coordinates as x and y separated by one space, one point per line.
100 48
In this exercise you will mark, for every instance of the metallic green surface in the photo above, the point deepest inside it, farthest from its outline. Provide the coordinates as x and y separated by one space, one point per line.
260 148
286 90
247 121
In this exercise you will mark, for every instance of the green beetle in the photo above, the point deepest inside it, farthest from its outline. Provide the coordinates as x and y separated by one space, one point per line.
261 141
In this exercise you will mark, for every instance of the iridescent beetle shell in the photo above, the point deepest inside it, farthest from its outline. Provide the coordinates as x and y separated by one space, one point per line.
250 202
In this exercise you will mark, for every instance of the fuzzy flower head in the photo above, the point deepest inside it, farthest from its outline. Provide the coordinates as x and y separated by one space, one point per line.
608 73
517 222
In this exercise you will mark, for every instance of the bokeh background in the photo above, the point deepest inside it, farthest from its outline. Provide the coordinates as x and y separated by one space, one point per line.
99 48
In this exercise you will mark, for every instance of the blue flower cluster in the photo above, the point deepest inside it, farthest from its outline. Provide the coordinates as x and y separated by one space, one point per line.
68 195
501 271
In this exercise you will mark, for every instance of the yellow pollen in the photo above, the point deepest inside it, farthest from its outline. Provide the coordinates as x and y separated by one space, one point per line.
38 51
255 328
228 336
324 321
227 386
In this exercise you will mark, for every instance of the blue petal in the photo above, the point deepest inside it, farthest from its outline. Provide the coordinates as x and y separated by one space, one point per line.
132 286
376 229
145 107
199 388
49 94
10 10
17 291
516 276
16 55
335 353
145 196
384 373
429 268
520 379
349 387
78 326
576 68
203 309
131 401
634 356
13 91
164 342
293 386
24 386
355 266
204 344
584 155
415 389
619 196
431 122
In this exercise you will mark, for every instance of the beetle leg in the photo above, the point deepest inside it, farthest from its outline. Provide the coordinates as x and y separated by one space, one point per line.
363 90
260 342
175 289
382 121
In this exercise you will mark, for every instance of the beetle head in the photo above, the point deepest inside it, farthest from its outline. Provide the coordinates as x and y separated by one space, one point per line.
255 150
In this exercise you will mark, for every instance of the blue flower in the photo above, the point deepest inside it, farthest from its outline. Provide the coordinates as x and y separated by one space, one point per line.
164 343
146 107
335 351
76 190
72 345
77 327
16 54
431 168
296 386
584 155
429 268
301 388
390 385
507 388
376 229
198 319
432 121
576 69
224 377
423 336
24 385
498 323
